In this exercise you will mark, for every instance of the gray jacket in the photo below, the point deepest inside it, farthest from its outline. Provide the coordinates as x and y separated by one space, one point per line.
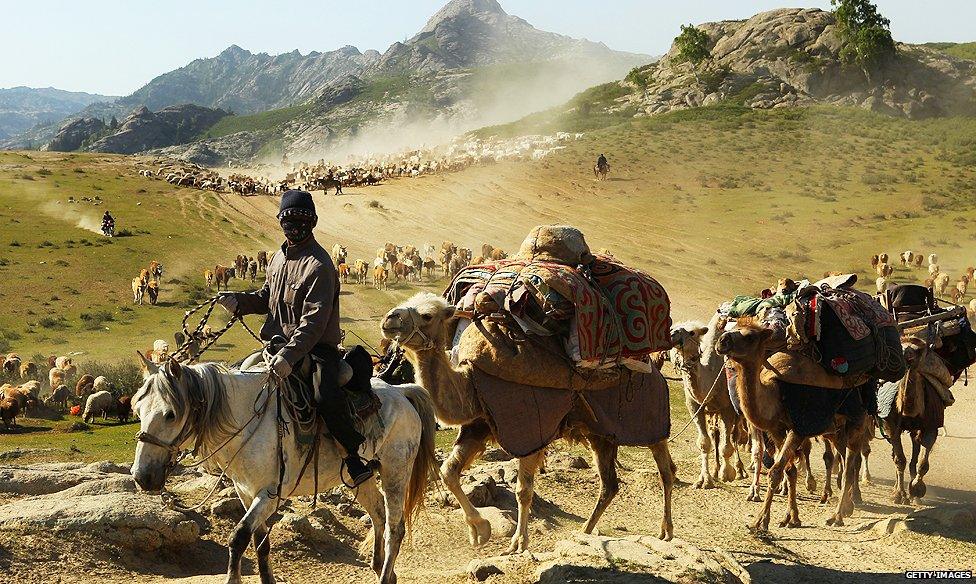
301 298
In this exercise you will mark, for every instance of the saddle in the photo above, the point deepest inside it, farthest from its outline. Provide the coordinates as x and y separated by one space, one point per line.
355 372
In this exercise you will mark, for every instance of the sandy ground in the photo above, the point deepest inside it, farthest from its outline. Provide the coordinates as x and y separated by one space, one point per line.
715 518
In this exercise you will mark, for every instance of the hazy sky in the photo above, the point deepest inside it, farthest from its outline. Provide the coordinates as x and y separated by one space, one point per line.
114 47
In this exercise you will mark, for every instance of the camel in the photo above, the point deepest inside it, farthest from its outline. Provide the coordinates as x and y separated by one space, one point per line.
759 397
421 326
703 375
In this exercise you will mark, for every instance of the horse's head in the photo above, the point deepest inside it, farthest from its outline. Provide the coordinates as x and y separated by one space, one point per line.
163 409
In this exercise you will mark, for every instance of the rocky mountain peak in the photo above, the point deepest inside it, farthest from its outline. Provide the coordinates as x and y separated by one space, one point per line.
464 9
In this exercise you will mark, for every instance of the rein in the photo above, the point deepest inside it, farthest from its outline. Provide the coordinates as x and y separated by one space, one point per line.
184 350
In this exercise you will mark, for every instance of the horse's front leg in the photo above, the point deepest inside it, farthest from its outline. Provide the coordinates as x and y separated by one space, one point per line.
262 546
528 466
256 518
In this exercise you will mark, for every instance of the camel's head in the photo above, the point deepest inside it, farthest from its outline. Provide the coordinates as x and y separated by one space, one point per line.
745 342
686 339
419 322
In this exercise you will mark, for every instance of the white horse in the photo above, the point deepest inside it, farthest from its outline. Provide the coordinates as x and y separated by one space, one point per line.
231 416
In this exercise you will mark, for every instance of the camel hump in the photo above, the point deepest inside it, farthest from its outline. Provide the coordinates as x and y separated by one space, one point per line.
561 244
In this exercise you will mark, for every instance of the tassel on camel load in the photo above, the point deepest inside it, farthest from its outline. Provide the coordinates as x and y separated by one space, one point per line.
592 319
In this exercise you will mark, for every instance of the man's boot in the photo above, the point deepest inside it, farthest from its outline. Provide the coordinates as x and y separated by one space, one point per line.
359 471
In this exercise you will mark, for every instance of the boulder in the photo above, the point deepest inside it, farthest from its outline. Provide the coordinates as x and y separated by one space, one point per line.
310 527
230 508
502 521
480 490
115 483
36 481
133 520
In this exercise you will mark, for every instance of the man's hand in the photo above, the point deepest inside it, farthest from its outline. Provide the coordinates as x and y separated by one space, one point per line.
280 366
229 301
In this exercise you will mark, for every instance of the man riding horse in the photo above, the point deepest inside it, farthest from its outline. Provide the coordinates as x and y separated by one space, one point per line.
602 164
301 298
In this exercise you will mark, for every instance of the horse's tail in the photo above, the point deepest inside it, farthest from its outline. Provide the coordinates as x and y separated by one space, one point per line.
425 466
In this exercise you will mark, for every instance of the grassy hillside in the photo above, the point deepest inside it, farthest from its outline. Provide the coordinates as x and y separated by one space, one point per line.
254 122
961 50
713 201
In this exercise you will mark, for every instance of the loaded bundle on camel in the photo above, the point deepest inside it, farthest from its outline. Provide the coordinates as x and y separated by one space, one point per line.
805 362
939 345
551 343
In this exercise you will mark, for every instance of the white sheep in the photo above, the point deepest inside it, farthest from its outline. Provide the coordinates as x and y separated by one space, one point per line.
941 284
97 404
934 270
933 258
101 384
882 284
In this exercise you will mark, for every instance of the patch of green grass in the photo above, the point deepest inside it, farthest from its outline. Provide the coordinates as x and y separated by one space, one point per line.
254 122
961 50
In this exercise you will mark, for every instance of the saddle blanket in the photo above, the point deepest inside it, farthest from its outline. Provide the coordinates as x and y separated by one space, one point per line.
526 419
812 409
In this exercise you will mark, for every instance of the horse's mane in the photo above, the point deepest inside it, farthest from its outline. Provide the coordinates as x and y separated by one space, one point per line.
201 395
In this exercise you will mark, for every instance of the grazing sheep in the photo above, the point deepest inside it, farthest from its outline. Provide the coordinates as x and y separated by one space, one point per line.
9 408
954 295
18 395
883 258
907 257
885 270
99 403
59 397
160 351
32 388
52 362
84 387
101 384
934 270
28 370
67 365
970 271
941 284
882 284
962 286
875 260
123 409
933 258
919 258
55 377
11 365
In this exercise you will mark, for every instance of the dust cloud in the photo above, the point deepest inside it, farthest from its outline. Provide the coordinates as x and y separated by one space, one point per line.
81 218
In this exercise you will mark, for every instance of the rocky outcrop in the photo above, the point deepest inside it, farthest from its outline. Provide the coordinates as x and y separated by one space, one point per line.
791 57
623 560
144 130
73 134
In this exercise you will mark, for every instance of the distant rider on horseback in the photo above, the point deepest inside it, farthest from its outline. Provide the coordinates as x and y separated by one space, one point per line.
301 298
602 164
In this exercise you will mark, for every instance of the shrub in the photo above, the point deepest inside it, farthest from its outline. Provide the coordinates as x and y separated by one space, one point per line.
124 233
126 377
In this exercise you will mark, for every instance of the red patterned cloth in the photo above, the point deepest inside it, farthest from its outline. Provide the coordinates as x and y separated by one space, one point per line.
611 312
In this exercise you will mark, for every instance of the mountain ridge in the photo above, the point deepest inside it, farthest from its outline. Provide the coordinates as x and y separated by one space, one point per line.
23 107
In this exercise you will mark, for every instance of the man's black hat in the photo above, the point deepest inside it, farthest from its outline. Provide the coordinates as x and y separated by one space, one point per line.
295 202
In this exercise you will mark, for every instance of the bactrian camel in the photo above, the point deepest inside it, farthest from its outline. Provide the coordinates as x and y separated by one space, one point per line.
421 326
703 374
759 397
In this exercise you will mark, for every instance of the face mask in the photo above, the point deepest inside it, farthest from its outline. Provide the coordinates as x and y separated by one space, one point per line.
296 230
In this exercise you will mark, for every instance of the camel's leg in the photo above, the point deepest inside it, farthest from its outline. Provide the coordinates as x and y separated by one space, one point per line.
757 455
828 458
926 441
792 518
528 466
740 467
372 501
605 459
715 436
866 451
665 467
785 453
811 480
394 495
704 445
845 503
470 443
256 517
726 429
900 494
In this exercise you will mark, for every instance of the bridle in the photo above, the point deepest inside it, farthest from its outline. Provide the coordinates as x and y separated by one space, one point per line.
428 342
172 447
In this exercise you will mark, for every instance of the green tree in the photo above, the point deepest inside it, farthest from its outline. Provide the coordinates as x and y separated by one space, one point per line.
692 45
866 31
114 124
